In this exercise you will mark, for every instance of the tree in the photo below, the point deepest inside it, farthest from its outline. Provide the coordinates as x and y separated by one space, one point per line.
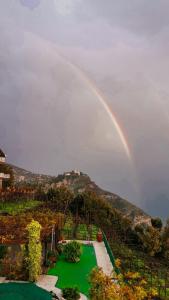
130 286
72 251
102 287
34 251
165 240
157 223
71 293
3 251
150 239
60 198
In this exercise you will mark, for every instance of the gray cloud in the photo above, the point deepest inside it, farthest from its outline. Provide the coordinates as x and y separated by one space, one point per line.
55 120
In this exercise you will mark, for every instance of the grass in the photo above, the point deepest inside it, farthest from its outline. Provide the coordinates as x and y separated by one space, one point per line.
75 274
14 208
22 291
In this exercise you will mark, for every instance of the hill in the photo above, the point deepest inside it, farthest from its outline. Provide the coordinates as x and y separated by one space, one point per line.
79 182
24 176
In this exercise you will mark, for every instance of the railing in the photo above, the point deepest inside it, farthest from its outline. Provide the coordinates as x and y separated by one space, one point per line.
109 251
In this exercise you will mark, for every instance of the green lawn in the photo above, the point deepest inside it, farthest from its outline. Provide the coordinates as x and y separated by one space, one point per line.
75 274
18 207
22 291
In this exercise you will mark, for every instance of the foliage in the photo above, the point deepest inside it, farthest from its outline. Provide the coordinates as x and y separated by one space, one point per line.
157 223
34 250
60 198
72 251
67 232
25 262
71 293
3 251
14 208
165 240
150 239
93 209
13 228
129 286
153 269
82 232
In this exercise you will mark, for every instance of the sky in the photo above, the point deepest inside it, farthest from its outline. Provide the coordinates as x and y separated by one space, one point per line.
60 62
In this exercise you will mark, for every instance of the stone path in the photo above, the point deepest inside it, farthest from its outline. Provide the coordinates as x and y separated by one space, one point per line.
103 259
2 279
48 282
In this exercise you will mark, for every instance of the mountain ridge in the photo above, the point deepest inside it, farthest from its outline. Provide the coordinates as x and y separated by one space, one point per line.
79 182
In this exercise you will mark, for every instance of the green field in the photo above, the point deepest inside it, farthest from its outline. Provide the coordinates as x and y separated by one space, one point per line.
75 274
22 291
14 208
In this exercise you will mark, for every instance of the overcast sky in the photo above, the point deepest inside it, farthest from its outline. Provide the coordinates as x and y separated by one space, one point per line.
51 120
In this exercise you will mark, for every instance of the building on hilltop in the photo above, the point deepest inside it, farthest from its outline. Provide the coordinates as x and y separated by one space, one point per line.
77 172
73 172
3 176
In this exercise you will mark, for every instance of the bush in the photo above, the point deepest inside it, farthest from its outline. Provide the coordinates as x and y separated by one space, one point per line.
71 293
157 223
72 251
3 251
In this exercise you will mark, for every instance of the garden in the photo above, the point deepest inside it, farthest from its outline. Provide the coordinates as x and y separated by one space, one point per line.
79 231
74 271
13 208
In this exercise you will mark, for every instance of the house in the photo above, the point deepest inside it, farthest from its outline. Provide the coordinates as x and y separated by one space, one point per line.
76 172
3 176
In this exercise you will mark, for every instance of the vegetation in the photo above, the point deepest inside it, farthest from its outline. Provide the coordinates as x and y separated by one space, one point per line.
72 251
60 198
143 249
71 293
75 274
34 251
129 286
14 208
3 251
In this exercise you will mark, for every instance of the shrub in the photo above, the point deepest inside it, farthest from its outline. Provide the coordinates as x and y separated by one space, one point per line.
71 293
157 223
3 251
72 251
34 250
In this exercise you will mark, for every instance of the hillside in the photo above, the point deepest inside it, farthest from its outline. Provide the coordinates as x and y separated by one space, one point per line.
24 176
78 183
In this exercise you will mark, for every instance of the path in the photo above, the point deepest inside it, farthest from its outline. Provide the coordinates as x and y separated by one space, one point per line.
48 282
103 259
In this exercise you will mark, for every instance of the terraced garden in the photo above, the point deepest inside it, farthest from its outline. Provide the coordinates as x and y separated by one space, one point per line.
79 231
14 208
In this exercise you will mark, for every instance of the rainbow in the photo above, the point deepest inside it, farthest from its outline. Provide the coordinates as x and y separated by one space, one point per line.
104 104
